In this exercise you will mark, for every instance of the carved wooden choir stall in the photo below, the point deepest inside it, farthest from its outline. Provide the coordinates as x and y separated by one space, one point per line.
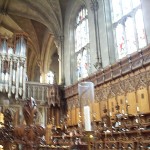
29 136
115 113
120 113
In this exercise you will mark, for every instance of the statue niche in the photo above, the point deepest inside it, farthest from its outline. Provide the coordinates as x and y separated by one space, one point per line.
29 135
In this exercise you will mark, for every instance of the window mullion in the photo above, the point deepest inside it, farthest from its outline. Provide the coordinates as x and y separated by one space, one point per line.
135 32
121 8
125 38
128 26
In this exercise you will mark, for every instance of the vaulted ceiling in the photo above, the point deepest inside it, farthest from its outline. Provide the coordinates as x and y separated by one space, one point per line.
42 20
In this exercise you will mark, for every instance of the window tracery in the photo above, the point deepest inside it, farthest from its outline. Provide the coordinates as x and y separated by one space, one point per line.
82 43
128 26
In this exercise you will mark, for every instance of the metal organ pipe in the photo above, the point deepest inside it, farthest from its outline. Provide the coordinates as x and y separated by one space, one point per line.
13 65
10 78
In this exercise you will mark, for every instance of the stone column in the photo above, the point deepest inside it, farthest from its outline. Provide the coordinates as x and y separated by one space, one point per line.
59 42
94 8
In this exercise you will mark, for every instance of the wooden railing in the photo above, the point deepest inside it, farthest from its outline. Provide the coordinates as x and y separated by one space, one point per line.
121 114
49 93
37 90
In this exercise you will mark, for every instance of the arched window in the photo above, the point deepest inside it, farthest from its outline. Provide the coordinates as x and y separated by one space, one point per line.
82 43
50 77
128 26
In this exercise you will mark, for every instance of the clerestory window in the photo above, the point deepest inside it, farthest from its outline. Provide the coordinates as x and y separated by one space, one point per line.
82 43
127 20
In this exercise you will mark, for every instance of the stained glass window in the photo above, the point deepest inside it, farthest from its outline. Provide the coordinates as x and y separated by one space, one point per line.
127 20
82 44
140 29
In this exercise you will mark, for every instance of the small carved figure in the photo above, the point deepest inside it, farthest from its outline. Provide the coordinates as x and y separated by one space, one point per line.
29 135
30 111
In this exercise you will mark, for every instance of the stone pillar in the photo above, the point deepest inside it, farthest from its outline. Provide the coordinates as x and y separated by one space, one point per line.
94 8
59 42
60 61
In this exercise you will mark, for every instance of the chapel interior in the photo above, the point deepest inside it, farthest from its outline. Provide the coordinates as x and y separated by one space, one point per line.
74 74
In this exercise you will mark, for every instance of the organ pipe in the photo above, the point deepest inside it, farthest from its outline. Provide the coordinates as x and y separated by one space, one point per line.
13 64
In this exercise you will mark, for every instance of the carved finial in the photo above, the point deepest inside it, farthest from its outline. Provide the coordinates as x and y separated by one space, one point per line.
30 111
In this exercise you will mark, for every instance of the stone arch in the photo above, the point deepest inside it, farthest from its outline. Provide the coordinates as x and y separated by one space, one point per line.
74 7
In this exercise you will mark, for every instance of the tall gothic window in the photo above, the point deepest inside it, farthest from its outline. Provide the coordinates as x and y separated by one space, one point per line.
128 26
82 43
50 77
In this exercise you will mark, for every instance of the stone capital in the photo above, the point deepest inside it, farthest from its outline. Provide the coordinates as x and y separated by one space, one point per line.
58 40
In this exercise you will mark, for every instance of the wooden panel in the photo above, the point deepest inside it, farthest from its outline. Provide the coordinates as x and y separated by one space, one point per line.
16 117
77 115
122 104
112 106
91 111
57 115
96 111
103 104
73 116
1 118
143 102
48 133
131 98
69 117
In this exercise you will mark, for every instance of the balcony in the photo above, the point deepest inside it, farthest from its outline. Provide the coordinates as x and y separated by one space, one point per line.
44 93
